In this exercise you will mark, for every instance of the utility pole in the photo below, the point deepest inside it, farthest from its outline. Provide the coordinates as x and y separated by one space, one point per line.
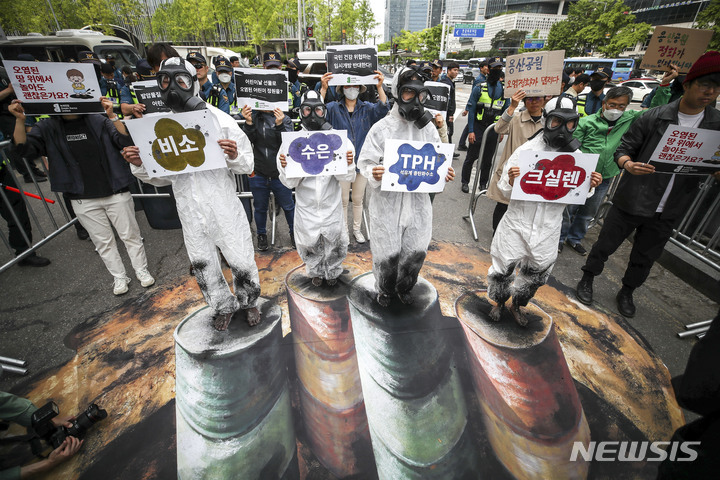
300 27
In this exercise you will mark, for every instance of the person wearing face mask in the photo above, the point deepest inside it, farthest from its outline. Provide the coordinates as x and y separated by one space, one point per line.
528 232
598 133
400 222
130 106
212 94
322 239
224 71
357 117
117 74
211 214
296 88
589 103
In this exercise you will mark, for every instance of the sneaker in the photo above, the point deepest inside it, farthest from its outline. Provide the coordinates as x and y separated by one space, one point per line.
34 260
262 242
577 247
359 237
463 148
561 245
121 285
145 278
465 188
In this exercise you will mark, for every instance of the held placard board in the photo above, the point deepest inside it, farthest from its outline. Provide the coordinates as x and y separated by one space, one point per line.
554 177
687 151
53 88
678 46
148 93
538 73
316 153
262 89
178 143
352 64
437 101
416 167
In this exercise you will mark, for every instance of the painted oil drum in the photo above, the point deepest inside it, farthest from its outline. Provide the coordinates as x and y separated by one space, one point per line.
418 430
331 398
530 405
232 398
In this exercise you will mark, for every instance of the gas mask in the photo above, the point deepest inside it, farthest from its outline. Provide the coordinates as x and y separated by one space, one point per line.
411 96
312 112
178 86
559 127
225 77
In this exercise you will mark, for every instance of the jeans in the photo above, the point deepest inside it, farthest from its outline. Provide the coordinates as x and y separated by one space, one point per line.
576 218
474 152
261 186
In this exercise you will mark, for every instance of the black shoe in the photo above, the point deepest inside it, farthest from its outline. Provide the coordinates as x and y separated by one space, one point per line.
625 304
82 234
262 242
37 172
456 155
292 240
29 179
577 247
34 260
560 247
465 188
463 148
584 291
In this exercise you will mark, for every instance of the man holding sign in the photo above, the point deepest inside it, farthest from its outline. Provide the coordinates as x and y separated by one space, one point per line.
646 202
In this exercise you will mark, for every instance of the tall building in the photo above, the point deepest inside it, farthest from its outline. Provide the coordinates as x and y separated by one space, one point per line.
666 12
557 7
514 21
411 15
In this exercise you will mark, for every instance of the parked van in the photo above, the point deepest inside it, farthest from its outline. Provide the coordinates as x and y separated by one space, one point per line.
210 53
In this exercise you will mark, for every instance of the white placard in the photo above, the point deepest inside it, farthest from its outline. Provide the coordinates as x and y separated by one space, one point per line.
261 89
53 88
178 143
687 151
322 152
413 166
438 99
537 73
352 64
554 177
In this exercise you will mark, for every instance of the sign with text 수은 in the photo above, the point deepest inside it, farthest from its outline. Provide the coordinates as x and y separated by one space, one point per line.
321 152
148 93
687 151
537 73
677 46
352 64
178 143
438 99
469 30
262 89
554 177
413 166
53 88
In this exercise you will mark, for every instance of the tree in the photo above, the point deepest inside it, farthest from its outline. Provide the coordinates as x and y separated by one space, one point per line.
366 21
710 18
511 40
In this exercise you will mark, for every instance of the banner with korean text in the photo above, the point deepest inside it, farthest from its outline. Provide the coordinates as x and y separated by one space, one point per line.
437 101
352 64
262 89
413 166
322 152
677 46
538 73
687 151
148 93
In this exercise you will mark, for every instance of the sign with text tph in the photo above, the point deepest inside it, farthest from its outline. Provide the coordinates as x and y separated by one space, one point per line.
316 153
687 151
677 46
352 64
537 73
416 167
262 89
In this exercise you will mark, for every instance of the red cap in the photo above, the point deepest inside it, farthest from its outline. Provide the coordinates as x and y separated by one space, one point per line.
708 63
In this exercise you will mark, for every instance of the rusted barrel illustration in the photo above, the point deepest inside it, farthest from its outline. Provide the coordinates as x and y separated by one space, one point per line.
530 405
234 418
414 400
331 398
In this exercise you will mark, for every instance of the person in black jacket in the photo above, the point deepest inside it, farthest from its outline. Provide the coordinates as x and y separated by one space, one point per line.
648 203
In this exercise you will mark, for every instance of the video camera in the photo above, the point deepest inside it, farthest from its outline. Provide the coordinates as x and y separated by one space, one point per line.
44 428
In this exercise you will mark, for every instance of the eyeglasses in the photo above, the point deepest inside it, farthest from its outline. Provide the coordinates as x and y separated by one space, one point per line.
616 106
708 86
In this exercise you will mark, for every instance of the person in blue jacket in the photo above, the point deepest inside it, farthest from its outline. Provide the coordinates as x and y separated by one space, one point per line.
212 94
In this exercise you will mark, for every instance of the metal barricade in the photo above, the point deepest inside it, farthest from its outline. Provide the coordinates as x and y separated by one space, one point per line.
474 194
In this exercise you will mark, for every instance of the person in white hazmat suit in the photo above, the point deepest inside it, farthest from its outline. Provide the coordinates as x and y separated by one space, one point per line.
528 233
400 222
320 234
210 211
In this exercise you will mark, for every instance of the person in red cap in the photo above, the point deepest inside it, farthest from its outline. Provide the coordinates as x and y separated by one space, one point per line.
648 203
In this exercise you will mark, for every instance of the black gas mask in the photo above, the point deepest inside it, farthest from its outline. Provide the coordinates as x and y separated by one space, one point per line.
411 99
177 89
312 112
559 127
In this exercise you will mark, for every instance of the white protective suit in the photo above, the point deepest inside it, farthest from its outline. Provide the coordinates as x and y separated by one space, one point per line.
320 233
213 216
527 237
400 223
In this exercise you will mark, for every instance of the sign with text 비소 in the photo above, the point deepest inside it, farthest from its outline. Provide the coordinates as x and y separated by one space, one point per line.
678 46
321 152
687 151
352 64
262 89
148 93
538 73
178 143
437 101
53 88
554 177
416 167
469 30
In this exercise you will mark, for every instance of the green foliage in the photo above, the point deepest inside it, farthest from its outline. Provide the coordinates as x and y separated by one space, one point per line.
331 17
425 43
709 18
508 40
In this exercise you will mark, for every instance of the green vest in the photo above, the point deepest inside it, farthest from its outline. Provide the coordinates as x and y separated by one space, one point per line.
486 103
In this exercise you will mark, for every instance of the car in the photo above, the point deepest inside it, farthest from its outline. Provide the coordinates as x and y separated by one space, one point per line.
641 87
468 76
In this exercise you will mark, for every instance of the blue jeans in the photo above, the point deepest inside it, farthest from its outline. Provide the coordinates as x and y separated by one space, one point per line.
260 186
577 217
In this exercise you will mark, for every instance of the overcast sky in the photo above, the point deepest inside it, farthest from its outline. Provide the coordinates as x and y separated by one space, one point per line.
378 8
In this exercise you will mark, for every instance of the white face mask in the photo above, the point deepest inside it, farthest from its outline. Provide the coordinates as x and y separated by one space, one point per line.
352 93
224 77
612 115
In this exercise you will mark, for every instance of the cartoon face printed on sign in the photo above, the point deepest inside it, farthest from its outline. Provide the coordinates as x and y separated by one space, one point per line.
315 152
553 179
76 77
176 147
417 166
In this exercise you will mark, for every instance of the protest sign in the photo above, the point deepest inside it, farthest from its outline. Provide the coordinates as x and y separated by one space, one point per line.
554 177
538 73
413 166
437 101
53 88
262 89
148 93
677 46
322 152
687 151
352 65
178 143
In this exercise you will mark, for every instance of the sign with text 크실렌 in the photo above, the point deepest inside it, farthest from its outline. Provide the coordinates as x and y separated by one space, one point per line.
262 89
316 153
437 101
538 73
148 93
352 64
53 88
413 166
554 177
178 143
687 151
678 46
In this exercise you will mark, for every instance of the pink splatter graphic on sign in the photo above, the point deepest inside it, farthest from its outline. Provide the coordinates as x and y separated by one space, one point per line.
553 179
